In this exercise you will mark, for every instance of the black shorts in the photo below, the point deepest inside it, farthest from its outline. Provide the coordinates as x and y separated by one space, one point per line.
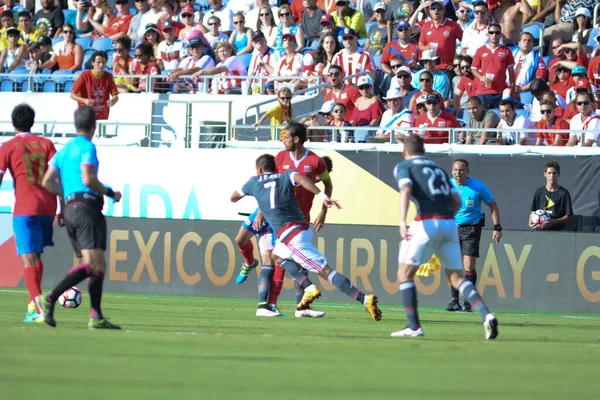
469 237
86 226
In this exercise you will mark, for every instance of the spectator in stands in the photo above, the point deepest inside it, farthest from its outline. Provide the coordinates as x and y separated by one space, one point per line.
368 108
480 119
150 17
398 11
264 61
403 83
224 14
169 13
594 70
313 120
564 14
511 16
352 58
490 65
45 46
255 20
389 80
67 54
49 19
194 62
348 18
562 81
15 55
118 25
143 64
12 6
97 10
367 8
467 84
559 55
242 6
34 63
539 89
405 47
329 27
435 117
582 25
377 36
394 117
325 53
229 65
510 120
267 25
187 19
529 63
214 36
475 35
457 74
311 23
153 38
586 120
122 63
96 88
287 25
574 55
463 15
441 83
280 114
241 37
135 24
340 92
171 50
426 86
580 80
29 33
440 35
551 121
297 8
339 119
290 64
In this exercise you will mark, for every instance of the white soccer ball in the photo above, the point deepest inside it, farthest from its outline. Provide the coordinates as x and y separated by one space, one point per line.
71 298
539 218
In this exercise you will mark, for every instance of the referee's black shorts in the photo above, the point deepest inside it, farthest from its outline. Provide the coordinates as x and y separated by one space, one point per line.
86 226
469 237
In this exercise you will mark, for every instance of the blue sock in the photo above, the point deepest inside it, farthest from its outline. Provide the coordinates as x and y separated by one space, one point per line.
409 301
345 286
470 293
264 284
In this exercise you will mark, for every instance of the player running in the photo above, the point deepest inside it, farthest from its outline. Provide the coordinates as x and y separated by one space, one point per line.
26 156
433 231
76 167
293 249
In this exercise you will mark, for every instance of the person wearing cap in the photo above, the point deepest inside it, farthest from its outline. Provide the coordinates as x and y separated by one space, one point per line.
394 117
153 38
368 9
171 50
435 118
49 19
348 18
441 83
15 55
529 63
141 7
582 26
149 17
402 81
313 120
311 23
224 14
403 46
263 63
515 129
562 81
352 58
564 14
117 26
368 108
341 92
475 34
186 17
440 35
398 11
377 36
290 64
586 120
194 62
168 14
328 27
580 81
426 85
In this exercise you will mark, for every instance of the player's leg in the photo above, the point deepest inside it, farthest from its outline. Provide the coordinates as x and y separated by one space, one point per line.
470 264
244 243
28 240
465 239
470 253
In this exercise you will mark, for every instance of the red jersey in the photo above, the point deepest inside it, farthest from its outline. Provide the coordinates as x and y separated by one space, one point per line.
395 48
424 96
493 64
540 68
346 96
443 120
310 166
559 123
176 24
468 85
594 71
26 156
562 87
89 86
442 40
552 71
358 62
118 25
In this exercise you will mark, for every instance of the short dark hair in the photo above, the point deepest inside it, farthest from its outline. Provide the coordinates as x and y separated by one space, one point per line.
495 25
328 163
124 41
99 53
507 102
552 164
340 105
8 14
480 4
527 33
266 162
475 99
23 117
538 87
414 144
547 103
462 160
297 129
24 14
467 59
85 120
335 66
426 72
587 93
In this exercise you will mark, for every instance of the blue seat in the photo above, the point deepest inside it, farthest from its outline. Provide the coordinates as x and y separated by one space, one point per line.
7 85
109 62
537 30
50 86
306 50
245 59
85 42
57 40
377 60
103 44
69 86
592 42
522 112
62 76
526 97
362 42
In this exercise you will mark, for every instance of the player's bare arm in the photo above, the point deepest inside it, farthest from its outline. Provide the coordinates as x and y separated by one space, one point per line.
405 193
495 211
90 179
320 219
307 184
236 196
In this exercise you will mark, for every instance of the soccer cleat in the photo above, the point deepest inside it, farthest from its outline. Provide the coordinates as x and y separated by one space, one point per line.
309 313
101 324
274 308
467 307
31 313
454 305
243 275
265 312
46 309
491 327
311 293
407 332
371 306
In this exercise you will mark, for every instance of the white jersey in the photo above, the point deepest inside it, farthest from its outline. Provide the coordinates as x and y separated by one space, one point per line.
271 57
234 68
224 14
150 17
354 63
474 38
214 40
403 119
202 62
590 124
171 54
292 67
520 123
572 92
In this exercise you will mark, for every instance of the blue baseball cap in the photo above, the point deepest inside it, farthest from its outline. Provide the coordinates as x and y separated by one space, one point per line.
579 70
403 24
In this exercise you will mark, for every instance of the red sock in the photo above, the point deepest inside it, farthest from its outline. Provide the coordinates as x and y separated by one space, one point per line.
39 269
31 282
276 283
247 251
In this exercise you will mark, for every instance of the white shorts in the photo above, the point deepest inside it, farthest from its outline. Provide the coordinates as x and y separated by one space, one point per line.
301 250
432 236
266 241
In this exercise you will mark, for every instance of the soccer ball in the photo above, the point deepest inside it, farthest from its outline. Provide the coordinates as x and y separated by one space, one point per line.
538 218
71 298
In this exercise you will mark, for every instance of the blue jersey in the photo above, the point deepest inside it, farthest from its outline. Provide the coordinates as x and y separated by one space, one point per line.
276 199
68 161
471 194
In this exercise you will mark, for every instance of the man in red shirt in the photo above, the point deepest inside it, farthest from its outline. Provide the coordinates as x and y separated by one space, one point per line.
440 35
340 92
559 55
96 88
26 156
117 26
551 121
467 83
436 118
594 70
404 47
490 65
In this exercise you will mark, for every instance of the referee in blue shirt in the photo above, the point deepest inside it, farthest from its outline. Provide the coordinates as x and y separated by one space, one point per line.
470 220
76 167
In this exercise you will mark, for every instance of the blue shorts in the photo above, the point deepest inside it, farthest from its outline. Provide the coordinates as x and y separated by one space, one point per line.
247 224
33 233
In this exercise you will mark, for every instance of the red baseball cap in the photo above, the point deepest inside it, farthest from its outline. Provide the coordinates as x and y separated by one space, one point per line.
325 19
583 84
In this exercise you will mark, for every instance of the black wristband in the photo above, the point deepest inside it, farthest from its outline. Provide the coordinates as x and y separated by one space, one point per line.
110 193
498 227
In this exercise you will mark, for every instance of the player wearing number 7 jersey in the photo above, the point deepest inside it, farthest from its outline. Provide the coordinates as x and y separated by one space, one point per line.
26 156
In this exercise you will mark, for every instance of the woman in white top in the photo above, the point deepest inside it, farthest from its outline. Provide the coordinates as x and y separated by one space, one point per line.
586 120
15 55
582 26
509 120
289 65
229 65
266 24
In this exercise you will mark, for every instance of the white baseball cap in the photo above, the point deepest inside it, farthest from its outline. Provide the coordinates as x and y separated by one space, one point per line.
364 80
327 107
380 6
583 11
393 93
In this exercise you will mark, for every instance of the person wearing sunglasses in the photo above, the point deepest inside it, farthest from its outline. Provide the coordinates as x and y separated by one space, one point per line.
426 85
117 26
241 37
491 64
144 64
404 47
187 18
352 58
368 108
225 15
435 117
341 92
403 82
586 120
475 35
430 62
540 91
559 55
562 81
121 63
551 121
287 25
463 15
257 22
67 54
278 115
394 117
348 18
466 85
574 55
267 24
214 35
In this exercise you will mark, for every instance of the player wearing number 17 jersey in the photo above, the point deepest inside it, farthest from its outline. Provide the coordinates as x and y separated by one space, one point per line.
26 156
432 231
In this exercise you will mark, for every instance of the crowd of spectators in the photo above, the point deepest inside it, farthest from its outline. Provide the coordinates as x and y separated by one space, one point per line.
428 65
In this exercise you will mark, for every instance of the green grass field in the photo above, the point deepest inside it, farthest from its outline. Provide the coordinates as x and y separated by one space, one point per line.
215 348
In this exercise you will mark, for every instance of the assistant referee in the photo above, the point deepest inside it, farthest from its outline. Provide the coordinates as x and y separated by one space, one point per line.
76 167
470 220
